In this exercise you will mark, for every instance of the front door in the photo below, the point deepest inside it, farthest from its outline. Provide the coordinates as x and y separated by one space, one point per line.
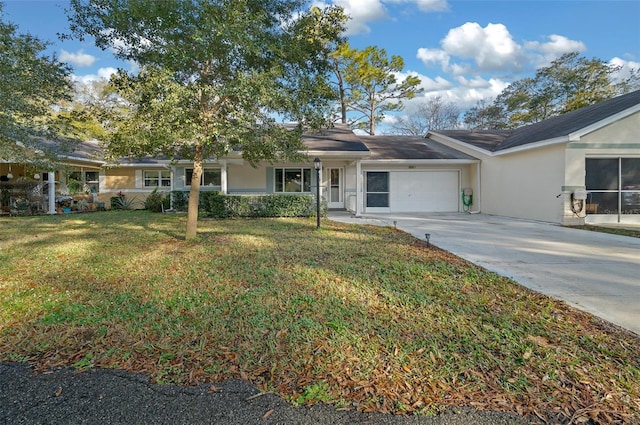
335 187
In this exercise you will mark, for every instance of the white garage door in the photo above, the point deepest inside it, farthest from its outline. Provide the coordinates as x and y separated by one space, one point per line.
424 191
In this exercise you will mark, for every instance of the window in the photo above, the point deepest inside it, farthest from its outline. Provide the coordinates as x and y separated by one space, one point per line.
210 177
85 181
160 178
293 180
613 185
377 188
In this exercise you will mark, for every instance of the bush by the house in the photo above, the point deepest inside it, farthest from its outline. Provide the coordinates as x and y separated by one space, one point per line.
214 204
157 202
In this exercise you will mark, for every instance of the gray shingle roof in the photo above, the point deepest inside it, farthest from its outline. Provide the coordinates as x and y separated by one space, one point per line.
555 127
337 139
409 147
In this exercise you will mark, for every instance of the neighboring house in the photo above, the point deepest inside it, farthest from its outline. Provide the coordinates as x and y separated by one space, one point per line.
584 165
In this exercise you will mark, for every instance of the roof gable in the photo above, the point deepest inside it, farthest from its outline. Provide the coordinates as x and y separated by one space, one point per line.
555 129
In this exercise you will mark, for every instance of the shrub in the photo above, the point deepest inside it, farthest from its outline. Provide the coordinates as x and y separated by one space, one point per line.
180 200
157 202
214 204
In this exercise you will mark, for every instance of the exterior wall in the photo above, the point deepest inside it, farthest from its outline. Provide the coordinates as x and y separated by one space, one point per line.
128 181
246 179
619 139
526 184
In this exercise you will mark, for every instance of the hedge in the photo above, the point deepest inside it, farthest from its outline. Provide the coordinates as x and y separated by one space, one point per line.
217 205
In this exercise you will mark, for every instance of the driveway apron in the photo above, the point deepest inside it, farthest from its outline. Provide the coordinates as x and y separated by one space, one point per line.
596 272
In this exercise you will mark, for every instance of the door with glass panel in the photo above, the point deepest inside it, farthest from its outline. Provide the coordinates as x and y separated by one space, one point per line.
335 189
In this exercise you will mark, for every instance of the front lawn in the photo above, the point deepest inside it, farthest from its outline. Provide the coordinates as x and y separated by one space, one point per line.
358 316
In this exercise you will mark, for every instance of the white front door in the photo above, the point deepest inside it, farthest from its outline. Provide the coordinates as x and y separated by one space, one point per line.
335 188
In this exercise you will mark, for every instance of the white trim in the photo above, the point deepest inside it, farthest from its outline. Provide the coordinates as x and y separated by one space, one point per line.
419 161
138 175
530 146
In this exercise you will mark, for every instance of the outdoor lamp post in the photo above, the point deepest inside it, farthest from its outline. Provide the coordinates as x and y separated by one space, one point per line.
317 164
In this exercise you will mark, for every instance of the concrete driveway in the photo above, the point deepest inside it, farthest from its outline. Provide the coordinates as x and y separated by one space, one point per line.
595 272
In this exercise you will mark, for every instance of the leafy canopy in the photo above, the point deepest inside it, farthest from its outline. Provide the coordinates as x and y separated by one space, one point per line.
31 83
568 83
214 75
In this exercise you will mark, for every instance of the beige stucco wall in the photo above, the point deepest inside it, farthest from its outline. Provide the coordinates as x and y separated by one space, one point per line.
525 184
244 178
123 180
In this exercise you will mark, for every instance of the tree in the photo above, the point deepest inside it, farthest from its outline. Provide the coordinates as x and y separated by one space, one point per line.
568 83
432 114
94 105
370 84
214 74
484 116
31 83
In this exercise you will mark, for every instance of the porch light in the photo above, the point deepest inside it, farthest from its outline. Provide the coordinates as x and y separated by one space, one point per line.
36 176
9 175
317 164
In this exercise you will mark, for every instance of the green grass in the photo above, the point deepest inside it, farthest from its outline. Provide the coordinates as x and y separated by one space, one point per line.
358 316
613 230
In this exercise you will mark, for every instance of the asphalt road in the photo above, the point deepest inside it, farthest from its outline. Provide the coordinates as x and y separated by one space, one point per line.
109 397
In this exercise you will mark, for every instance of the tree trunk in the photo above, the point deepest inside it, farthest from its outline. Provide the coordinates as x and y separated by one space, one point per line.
194 195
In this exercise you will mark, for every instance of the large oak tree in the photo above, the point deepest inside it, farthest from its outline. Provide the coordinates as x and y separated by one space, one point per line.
214 76
31 83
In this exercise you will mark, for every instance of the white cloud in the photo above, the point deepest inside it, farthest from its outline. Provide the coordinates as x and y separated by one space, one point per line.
491 48
363 12
79 58
434 56
545 53
102 74
625 68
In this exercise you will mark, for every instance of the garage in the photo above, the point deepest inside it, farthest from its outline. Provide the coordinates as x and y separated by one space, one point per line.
412 191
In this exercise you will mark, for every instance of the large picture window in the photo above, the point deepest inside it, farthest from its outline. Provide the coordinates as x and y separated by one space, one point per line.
157 178
377 188
292 180
613 185
210 177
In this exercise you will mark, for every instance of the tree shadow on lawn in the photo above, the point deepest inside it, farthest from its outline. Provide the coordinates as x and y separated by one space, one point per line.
356 315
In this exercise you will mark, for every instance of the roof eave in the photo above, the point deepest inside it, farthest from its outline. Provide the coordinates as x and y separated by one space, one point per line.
576 135
419 161
438 137
530 146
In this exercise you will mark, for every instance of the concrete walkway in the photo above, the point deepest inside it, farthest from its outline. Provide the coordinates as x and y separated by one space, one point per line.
596 272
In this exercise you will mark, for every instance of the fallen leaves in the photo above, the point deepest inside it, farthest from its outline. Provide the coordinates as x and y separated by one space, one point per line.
364 317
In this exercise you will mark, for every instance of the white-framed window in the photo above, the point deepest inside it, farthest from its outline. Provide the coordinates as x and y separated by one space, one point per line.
292 180
210 177
156 178
377 189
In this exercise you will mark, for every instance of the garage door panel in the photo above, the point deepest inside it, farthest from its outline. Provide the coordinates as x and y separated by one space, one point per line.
424 191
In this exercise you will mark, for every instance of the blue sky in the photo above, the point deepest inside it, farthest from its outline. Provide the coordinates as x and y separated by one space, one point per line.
463 51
